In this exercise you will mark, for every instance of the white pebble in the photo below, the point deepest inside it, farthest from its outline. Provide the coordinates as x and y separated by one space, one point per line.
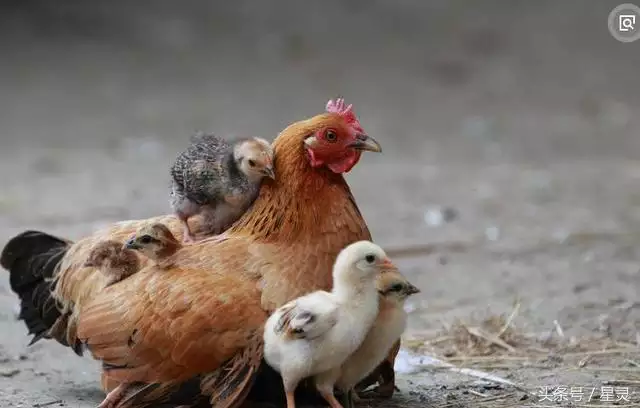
492 233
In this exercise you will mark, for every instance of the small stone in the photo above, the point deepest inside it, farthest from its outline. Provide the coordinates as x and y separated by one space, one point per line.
492 233
435 217
10 373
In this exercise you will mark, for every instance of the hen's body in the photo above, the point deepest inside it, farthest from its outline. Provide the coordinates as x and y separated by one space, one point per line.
206 313
205 179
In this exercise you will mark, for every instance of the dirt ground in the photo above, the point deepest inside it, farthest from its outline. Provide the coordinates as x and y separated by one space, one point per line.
517 118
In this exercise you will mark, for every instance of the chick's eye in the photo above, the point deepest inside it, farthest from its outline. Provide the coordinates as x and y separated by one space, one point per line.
370 258
331 136
396 287
252 163
145 239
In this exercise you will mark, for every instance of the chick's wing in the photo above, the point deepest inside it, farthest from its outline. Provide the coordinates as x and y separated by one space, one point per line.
309 316
171 324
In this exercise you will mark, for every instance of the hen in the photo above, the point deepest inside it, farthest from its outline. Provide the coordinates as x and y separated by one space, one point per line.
202 319
313 335
389 325
157 243
218 179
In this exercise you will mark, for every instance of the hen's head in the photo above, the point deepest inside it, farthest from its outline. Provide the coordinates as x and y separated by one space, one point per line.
336 139
155 241
254 158
395 287
107 254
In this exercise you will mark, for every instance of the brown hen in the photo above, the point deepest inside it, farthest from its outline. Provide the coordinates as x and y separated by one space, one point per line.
202 318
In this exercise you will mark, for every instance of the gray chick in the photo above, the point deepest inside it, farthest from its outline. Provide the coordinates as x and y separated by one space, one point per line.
218 179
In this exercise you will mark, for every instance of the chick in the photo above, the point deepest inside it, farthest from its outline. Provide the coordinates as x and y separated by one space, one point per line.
114 260
219 179
313 335
156 242
393 289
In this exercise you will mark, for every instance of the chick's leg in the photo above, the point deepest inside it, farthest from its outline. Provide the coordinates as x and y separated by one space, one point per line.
188 235
325 388
330 398
113 397
291 400
349 399
289 390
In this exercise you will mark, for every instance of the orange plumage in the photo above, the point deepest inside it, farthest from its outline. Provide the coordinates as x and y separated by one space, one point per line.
207 310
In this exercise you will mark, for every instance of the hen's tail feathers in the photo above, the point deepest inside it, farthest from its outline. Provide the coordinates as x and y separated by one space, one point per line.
226 387
32 258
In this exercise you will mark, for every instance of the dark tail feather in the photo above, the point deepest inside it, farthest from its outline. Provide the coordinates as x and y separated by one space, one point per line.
31 259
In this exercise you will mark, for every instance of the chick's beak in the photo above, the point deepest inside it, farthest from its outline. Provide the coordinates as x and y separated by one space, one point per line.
268 171
132 244
364 142
411 290
387 264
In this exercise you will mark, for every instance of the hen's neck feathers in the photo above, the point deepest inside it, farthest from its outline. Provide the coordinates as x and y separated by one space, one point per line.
300 203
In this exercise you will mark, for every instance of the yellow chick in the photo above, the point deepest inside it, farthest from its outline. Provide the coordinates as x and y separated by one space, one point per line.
393 289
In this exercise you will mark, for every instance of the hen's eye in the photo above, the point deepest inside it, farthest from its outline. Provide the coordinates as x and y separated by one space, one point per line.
331 136
145 239
370 258
252 163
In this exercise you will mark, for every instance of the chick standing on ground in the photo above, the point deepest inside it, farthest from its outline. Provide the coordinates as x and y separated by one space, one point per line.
219 179
114 260
313 335
156 242
393 289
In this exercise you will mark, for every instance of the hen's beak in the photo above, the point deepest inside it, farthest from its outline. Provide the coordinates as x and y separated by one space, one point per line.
268 171
132 244
364 142
411 290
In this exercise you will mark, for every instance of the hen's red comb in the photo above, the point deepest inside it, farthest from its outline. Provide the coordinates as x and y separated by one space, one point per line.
346 111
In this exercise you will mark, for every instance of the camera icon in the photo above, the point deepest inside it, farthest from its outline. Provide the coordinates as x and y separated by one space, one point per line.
622 22
626 22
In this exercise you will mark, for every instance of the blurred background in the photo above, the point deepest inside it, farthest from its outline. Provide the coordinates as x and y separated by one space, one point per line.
509 128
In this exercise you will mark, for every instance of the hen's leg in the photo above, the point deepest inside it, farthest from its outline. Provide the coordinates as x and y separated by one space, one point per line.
113 397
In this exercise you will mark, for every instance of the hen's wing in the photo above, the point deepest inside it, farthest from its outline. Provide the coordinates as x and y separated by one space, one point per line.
308 317
221 388
204 318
